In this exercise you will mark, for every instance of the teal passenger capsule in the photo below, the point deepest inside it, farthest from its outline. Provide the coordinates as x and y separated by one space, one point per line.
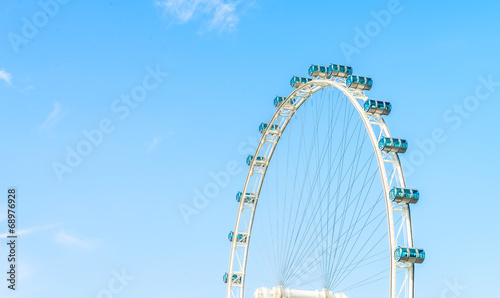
339 71
296 82
393 145
409 255
357 82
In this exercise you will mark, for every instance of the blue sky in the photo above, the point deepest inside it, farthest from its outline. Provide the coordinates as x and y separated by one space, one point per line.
173 93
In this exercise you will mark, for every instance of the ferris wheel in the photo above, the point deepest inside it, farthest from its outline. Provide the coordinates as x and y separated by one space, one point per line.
328 180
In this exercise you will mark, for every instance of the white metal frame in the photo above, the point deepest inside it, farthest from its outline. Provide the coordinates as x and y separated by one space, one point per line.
390 171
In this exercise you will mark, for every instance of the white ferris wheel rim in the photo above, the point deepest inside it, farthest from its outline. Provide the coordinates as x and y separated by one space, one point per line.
355 96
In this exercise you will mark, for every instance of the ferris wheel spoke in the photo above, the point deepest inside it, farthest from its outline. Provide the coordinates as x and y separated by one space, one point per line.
349 195
310 236
323 224
288 224
361 265
318 258
325 146
293 238
368 280
340 278
328 249
311 243
364 258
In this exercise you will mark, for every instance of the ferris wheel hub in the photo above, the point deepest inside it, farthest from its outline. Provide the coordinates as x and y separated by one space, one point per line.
279 292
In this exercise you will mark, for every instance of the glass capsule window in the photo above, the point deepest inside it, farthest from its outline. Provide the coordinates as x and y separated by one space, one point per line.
421 254
404 252
358 82
404 195
249 198
340 71
258 159
319 71
298 81
264 126
235 278
278 100
377 107
242 238
393 145
409 255
368 105
383 143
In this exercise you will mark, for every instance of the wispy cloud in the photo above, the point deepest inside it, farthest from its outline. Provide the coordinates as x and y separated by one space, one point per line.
152 145
3 213
31 230
7 77
61 237
25 270
223 15
52 119
72 241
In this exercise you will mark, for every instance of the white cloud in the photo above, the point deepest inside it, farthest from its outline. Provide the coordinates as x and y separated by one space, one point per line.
71 241
222 14
152 145
31 230
52 118
7 77
225 17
